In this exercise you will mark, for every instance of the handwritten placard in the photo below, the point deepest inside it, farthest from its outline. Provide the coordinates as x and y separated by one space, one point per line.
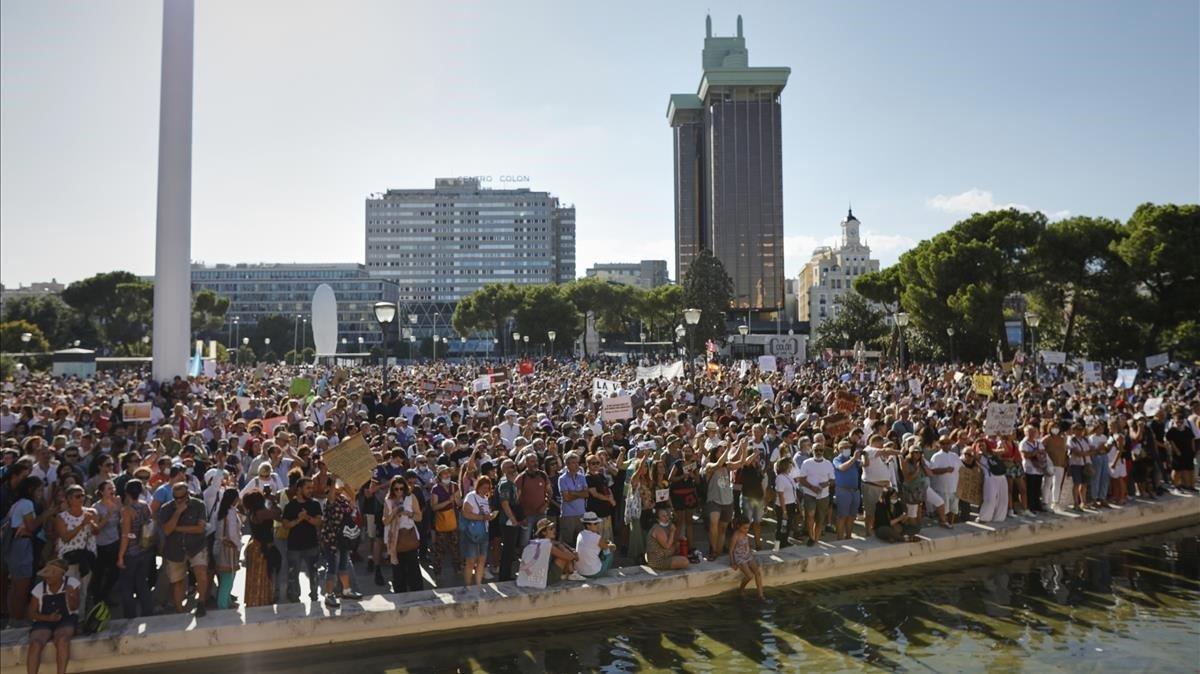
616 408
137 413
351 460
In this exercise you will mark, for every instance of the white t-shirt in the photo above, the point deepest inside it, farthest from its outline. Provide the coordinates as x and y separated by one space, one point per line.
40 590
786 486
1034 446
877 468
946 483
587 545
7 421
817 472
1119 469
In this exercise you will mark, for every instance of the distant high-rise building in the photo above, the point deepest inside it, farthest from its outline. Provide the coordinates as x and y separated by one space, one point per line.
728 160
442 244
646 274
831 273
256 291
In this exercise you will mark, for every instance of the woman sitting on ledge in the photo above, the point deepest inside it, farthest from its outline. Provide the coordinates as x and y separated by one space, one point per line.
890 517
54 609
663 542
562 557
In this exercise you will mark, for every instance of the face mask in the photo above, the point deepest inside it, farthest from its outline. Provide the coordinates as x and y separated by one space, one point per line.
446 482
845 452
1055 431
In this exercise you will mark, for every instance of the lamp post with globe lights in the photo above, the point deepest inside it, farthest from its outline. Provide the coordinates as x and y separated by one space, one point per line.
691 318
901 323
525 342
743 330
950 334
516 344
552 334
385 313
1033 321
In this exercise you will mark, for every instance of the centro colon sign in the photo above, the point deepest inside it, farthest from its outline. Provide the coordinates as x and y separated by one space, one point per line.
499 179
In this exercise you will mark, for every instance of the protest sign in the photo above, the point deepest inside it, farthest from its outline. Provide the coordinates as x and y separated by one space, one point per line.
1091 371
914 385
605 387
243 403
300 387
836 425
136 412
672 371
616 408
982 384
1069 388
766 363
481 383
649 373
1001 418
1054 357
708 401
766 391
270 424
1125 378
845 401
535 564
351 460
789 374
662 495
1157 360
1152 406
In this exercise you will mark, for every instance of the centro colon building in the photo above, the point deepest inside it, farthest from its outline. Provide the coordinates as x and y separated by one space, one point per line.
728 162
439 245
256 291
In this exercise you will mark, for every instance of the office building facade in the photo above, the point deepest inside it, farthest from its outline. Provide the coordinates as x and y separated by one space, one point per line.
440 245
831 273
256 291
646 274
728 171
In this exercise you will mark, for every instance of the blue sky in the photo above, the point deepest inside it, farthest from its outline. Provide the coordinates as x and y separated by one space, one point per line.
916 112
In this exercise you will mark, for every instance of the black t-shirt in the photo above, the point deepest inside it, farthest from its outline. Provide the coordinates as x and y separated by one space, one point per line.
752 481
303 536
601 507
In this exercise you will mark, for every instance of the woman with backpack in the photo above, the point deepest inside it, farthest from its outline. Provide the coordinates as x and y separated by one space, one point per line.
340 534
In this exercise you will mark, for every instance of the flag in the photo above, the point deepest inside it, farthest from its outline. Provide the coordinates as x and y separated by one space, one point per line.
526 367
197 366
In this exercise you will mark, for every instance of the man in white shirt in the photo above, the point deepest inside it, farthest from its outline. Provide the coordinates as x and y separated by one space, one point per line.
945 465
509 429
815 478
1033 460
879 473
7 419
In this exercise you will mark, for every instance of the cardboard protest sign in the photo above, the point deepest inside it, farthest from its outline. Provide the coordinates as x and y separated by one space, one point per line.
351 460
982 384
300 387
1125 378
789 374
845 402
1157 360
339 377
1091 371
243 403
481 383
836 425
616 408
1001 418
708 401
914 385
766 363
766 391
136 412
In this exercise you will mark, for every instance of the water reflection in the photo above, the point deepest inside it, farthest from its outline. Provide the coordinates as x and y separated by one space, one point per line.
1131 606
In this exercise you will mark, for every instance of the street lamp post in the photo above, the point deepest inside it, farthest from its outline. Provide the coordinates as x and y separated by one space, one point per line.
525 343
901 322
492 347
412 340
743 330
245 342
1033 320
385 313
642 336
950 334
463 345
692 318
516 344
680 333
237 332
552 334
296 339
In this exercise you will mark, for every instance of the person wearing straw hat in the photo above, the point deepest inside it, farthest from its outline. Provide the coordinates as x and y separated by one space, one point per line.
594 550
562 557
54 609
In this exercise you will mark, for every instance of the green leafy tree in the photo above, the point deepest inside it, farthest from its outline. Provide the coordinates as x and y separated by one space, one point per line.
660 310
487 309
208 314
608 303
1159 247
883 286
854 319
707 287
281 330
60 323
10 337
546 308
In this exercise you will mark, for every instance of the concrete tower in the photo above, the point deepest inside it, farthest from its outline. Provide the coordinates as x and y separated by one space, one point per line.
173 232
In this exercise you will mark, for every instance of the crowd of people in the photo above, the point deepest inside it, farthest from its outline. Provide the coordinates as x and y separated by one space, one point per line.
479 463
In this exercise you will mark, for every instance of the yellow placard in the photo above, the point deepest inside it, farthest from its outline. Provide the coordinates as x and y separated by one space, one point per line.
983 384
352 461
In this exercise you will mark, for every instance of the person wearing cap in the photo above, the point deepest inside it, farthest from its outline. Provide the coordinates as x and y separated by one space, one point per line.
183 523
594 550
54 609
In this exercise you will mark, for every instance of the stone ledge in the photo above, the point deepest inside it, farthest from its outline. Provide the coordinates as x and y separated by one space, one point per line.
170 638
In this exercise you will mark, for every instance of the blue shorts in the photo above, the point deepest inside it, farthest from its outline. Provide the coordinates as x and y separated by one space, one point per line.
471 550
20 557
848 501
